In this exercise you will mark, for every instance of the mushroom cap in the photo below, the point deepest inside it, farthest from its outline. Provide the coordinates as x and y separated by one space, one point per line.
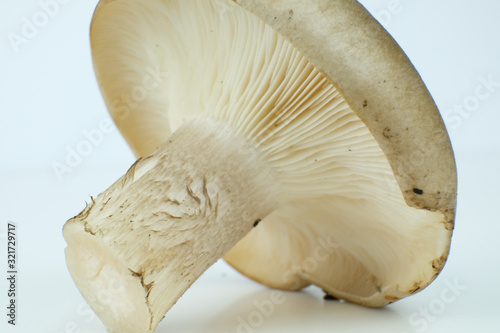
366 170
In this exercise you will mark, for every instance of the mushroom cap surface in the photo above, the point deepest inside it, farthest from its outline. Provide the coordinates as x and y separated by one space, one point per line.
366 169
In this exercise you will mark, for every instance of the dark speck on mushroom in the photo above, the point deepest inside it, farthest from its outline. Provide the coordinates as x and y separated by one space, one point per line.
256 223
418 191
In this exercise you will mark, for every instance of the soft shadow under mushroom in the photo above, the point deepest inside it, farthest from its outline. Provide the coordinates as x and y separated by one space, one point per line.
267 310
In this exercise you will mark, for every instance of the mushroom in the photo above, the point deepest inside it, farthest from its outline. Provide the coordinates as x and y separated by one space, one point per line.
293 138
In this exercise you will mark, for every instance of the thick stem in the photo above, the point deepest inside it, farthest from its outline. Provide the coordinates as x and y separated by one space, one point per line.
140 244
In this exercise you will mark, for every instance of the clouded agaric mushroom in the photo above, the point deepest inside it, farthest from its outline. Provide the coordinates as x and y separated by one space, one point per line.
293 138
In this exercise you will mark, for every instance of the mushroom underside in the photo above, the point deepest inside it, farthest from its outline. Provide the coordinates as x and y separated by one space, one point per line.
343 223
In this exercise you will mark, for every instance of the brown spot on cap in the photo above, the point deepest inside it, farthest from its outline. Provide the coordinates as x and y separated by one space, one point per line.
438 263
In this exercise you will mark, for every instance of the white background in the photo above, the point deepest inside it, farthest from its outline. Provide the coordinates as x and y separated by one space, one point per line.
49 97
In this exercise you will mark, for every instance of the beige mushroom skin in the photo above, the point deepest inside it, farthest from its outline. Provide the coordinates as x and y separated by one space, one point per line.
358 152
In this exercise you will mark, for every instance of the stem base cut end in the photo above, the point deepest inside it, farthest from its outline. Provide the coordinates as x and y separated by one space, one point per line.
106 283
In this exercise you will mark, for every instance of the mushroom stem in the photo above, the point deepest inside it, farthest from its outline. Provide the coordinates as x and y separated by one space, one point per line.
137 247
